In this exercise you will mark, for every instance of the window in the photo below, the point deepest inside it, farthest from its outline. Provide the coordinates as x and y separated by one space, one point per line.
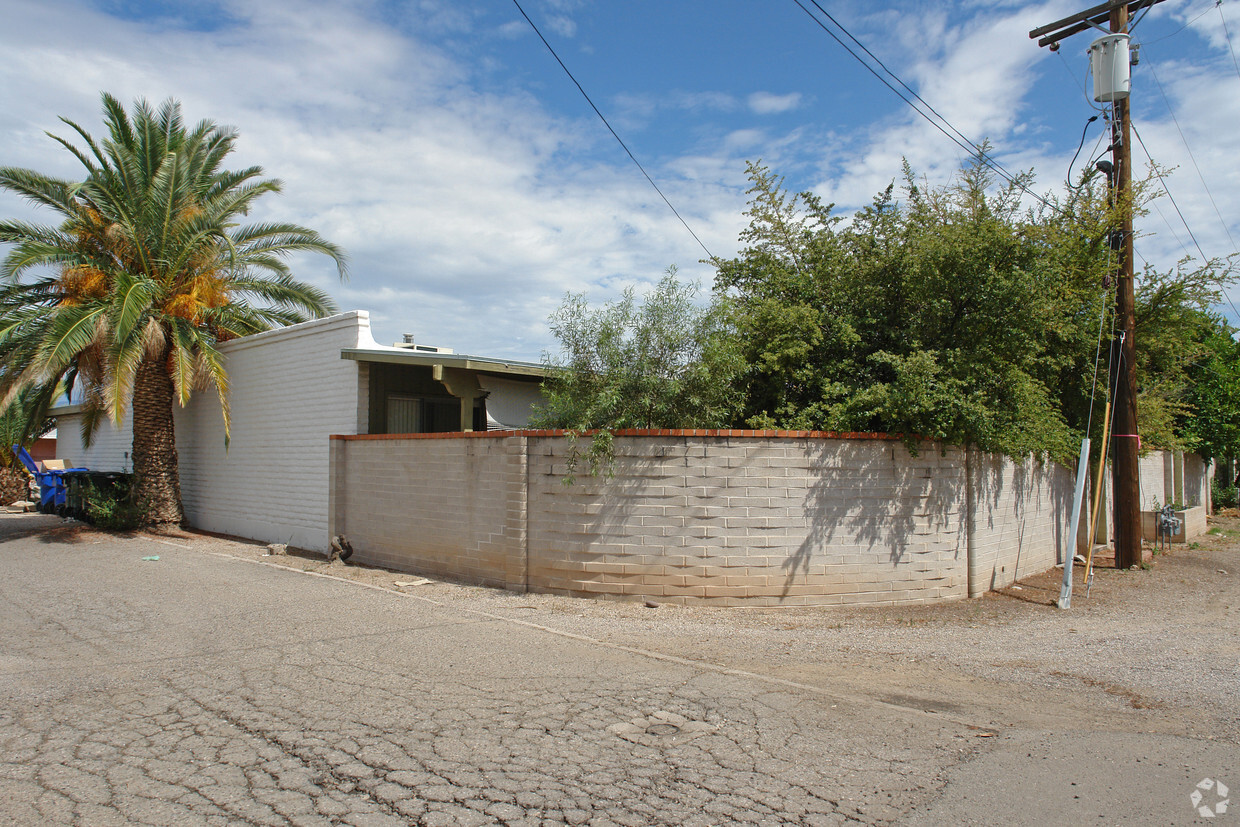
404 415
422 414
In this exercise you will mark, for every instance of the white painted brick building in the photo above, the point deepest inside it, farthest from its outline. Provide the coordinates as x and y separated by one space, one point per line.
290 390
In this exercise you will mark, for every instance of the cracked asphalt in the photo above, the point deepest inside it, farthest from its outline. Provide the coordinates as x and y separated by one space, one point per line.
210 687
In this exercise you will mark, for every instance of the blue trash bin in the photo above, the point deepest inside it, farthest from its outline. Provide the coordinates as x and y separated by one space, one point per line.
53 491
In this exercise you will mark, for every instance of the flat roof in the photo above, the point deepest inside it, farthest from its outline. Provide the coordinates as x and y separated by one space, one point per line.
404 356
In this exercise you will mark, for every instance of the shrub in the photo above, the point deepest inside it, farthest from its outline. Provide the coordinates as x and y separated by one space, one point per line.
1225 496
114 508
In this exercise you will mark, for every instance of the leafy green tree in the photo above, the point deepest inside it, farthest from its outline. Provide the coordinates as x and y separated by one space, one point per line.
1181 349
947 313
148 271
663 363
1212 426
955 313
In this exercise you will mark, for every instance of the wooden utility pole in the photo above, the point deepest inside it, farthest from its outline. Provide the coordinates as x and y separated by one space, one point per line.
1125 480
1125 444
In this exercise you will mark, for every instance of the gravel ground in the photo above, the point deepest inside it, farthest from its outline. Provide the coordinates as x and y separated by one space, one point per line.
1148 650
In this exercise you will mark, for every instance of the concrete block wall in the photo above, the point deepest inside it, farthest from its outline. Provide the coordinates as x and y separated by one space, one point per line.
1174 477
724 518
1019 519
446 507
1196 481
1195 523
790 521
1156 472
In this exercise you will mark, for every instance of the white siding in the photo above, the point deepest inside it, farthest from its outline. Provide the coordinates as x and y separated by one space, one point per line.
109 450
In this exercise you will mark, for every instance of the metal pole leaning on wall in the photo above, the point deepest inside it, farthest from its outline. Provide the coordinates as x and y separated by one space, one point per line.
1078 494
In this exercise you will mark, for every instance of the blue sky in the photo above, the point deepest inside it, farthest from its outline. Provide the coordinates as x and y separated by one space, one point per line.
440 143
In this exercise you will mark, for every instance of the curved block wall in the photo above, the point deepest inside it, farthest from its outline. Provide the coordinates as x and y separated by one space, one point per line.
715 517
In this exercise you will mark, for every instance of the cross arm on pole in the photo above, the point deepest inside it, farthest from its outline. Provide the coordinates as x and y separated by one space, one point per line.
1079 22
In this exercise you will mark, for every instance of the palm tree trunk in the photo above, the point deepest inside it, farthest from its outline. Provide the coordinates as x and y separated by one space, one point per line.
157 478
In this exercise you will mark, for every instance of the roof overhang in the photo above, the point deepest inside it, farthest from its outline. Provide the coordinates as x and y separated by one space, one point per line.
398 356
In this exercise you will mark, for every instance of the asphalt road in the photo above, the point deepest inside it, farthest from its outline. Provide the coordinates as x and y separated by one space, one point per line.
204 689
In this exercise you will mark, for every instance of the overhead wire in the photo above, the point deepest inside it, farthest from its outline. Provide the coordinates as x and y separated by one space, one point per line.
1227 35
1163 181
959 138
613 132
1171 228
1191 156
1177 31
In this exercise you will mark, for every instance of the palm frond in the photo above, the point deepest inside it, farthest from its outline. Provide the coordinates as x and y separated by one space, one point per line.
39 189
184 342
90 142
284 291
72 331
212 369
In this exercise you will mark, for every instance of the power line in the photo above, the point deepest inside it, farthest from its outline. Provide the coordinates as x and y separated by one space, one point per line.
1192 157
894 76
1170 228
1227 36
1204 260
1177 31
960 139
613 132
1163 181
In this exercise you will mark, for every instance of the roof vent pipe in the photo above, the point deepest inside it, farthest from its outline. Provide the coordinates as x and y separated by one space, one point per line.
1108 61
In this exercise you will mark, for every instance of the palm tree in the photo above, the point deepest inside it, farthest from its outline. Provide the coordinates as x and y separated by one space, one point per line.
149 270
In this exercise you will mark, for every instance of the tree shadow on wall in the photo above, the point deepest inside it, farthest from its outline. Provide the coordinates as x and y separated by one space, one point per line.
1010 494
605 504
868 497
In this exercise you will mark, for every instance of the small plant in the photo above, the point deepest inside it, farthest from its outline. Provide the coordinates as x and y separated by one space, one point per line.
115 508
1225 496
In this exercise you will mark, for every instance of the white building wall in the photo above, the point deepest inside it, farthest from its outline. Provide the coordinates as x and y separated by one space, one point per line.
510 402
109 449
289 390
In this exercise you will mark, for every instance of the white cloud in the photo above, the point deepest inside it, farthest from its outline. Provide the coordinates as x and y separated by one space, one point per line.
766 103
563 26
462 221
469 213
